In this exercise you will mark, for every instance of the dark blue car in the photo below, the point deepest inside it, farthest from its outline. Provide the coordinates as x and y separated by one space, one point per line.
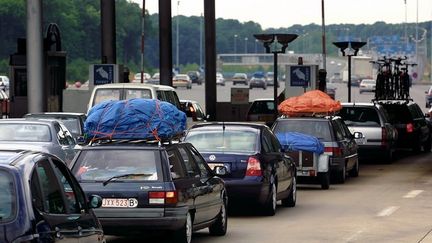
257 169
40 201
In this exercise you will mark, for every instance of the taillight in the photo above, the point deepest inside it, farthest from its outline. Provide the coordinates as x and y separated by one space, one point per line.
383 136
169 197
335 151
253 167
409 128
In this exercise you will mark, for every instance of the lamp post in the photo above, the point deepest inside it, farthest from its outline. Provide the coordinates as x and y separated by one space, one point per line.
256 49
177 36
235 44
275 43
246 39
353 48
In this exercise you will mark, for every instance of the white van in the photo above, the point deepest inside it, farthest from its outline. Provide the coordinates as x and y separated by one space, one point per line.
124 91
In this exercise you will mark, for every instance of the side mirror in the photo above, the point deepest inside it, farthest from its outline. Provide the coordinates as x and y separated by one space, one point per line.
220 170
95 201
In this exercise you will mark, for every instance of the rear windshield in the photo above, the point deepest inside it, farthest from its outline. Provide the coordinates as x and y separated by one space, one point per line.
262 107
224 141
25 132
7 197
137 93
100 165
360 116
398 113
102 95
316 128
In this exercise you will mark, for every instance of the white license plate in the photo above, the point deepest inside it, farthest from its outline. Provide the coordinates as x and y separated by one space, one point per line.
119 203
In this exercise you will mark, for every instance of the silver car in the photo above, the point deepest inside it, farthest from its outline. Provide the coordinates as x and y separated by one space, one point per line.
48 136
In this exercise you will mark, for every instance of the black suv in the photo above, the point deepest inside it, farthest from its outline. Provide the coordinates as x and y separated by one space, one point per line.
410 122
151 186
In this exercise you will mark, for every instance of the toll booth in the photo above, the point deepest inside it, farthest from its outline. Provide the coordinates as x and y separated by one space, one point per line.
54 74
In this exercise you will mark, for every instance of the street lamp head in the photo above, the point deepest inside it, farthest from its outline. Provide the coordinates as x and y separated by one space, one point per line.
281 40
354 45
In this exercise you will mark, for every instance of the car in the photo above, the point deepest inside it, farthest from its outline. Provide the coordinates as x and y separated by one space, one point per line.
428 97
220 80
240 78
137 78
261 110
40 201
4 83
155 187
48 136
182 80
413 128
258 82
74 122
372 121
270 79
4 104
195 77
338 141
155 79
259 173
124 91
193 110
367 85
331 90
355 81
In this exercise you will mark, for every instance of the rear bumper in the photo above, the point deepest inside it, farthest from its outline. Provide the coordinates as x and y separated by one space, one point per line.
244 190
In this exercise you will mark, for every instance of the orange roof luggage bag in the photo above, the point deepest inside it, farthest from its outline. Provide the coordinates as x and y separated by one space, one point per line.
310 103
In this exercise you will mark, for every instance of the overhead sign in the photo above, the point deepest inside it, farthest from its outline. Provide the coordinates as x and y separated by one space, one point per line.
239 96
103 74
300 76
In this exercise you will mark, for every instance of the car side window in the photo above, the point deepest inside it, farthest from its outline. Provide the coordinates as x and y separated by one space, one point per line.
191 167
275 142
47 195
176 168
338 131
202 164
266 143
74 196
8 198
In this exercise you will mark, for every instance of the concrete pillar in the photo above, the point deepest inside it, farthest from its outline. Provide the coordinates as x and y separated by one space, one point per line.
165 42
108 33
210 58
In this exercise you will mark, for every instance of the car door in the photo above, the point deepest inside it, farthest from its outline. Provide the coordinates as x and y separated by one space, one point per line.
350 143
214 197
201 187
285 161
54 223
88 227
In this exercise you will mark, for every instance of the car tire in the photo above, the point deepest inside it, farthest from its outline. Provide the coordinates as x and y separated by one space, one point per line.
324 178
427 146
354 172
270 205
234 83
416 146
388 156
291 200
184 234
219 227
341 175
264 87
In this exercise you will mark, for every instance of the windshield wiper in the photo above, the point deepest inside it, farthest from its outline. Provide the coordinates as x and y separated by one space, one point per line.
121 176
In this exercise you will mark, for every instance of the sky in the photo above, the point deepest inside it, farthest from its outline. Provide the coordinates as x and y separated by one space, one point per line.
285 13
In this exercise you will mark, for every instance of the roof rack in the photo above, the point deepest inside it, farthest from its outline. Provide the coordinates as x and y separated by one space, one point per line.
392 100
153 140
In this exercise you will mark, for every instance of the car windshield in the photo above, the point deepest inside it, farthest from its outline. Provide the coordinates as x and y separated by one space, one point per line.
7 197
360 116
101 165
25 132
228 141
314 127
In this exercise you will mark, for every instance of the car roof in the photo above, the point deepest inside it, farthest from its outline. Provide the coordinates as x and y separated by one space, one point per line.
133 85
358 104
190 101
27 121
229 124
263 99
58 113
11 156
131 143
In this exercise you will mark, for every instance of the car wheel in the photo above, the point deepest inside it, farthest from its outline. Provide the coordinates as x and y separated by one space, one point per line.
219 227
354 172
324 178
291 200
427 146
416 146
270 206
264 87
184 235
341 175
388 156
234 83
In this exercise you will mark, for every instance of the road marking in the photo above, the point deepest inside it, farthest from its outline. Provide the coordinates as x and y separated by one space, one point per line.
413 194
355 236
388 211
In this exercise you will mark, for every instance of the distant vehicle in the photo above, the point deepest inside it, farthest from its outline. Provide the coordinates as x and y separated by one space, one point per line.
270 79
4 83
49 136
182 80
155 79
137 78
338 141
124 91
428 97
220 80
331 90
367 85
40 201
195 77
413 128
372 121
355 81
258 172
74 122
146 186
4 104
261 110
258 80
240 78
193 110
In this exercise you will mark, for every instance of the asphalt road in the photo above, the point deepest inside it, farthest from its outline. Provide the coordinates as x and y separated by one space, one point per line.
386 203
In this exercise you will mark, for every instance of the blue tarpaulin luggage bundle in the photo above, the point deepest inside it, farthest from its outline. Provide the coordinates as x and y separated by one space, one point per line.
134 119
295 141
